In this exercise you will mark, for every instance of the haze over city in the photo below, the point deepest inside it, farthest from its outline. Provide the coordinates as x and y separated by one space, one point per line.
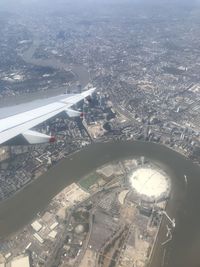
99 133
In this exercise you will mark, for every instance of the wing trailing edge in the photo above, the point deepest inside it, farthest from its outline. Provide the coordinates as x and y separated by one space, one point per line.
72 113
33 137
20 123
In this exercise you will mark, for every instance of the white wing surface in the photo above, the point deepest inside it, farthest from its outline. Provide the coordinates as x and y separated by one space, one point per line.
21 118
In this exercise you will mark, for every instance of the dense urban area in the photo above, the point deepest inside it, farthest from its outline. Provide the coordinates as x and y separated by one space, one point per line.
145 66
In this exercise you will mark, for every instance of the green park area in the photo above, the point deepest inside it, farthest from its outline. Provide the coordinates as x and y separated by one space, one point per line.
89 180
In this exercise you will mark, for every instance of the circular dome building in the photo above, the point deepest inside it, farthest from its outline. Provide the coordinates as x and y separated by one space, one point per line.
150 183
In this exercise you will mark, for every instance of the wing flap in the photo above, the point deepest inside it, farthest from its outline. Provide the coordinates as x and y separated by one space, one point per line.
72 113
34 137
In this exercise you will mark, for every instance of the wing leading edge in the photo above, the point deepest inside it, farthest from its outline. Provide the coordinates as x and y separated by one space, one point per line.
22 122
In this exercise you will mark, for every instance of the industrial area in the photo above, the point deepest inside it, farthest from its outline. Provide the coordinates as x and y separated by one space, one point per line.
105 220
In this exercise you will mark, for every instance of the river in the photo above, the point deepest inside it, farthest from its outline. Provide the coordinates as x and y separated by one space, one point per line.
184 248
80 73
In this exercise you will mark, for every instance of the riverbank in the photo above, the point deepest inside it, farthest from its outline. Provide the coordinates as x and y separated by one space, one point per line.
84 164
105 189
20 209
80 73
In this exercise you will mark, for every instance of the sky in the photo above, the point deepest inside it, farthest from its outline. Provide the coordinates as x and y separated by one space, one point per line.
12 5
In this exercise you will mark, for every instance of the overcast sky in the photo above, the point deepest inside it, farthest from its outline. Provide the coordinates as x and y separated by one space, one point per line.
12 5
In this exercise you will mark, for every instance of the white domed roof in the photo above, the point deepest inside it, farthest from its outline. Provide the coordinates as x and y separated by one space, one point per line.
149 182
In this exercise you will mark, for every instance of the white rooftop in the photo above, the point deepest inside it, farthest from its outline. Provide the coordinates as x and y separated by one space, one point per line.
20 262
36 226
149 182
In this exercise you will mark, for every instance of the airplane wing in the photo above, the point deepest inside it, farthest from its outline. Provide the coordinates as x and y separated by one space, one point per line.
24 117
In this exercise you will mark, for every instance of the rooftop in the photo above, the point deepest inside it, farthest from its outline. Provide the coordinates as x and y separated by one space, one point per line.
19 262
149 182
